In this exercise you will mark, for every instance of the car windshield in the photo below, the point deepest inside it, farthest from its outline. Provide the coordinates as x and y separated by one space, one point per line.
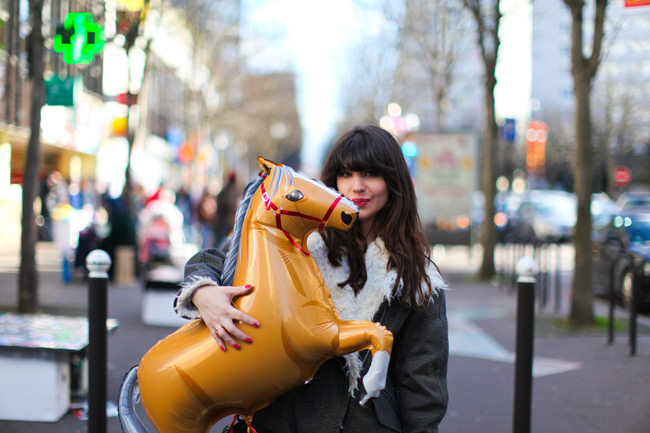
558 205
637 203
632 200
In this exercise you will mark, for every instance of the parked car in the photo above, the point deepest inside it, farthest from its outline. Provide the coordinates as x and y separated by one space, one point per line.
618 247
602 210
544 216
632 199
550 216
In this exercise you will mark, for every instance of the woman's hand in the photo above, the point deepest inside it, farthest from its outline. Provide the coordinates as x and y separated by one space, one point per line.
220 316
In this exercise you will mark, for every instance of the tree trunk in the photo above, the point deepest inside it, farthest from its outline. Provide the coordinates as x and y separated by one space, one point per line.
28 276
581 288
488 42
583 71
488 179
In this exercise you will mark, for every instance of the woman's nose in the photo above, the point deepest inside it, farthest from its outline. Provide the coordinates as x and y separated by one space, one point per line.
357 183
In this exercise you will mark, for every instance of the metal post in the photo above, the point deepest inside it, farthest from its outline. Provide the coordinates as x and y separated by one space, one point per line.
97 262
612 300
636 283
526 269
558 283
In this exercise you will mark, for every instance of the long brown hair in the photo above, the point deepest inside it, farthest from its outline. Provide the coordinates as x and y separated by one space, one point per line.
371 148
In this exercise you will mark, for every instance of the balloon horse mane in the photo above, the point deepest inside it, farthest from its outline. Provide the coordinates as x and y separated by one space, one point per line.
187 383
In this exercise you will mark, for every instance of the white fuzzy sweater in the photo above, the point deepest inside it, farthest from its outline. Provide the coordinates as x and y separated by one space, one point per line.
378 288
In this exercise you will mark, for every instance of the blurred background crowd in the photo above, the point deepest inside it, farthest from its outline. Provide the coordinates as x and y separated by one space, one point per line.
158 228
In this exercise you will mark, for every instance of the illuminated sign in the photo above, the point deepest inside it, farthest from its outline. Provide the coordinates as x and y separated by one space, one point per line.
79 38
632 3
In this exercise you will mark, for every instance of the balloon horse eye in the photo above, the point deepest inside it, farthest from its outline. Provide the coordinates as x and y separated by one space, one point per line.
294 195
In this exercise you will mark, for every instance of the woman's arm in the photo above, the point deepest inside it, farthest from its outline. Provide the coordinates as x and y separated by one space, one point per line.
202 296
420 368
203 268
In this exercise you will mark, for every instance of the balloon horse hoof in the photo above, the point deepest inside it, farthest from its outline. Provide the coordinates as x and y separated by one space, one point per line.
187 383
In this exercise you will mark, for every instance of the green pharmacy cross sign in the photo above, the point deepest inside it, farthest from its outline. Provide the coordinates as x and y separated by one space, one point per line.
79 38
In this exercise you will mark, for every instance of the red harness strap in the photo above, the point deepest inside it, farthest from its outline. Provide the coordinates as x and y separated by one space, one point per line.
234 421
279 212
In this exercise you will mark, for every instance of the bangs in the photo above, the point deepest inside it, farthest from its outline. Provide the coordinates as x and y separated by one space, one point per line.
359 154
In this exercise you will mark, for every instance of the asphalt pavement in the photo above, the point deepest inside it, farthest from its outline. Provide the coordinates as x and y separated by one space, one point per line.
581 383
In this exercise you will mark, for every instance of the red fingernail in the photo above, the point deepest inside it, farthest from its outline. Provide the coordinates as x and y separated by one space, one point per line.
237 346
249 340
222 348
257 325
248 286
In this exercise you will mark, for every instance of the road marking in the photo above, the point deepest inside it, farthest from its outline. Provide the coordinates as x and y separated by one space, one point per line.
468 339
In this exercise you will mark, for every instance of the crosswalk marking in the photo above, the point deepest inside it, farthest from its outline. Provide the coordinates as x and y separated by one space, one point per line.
468 339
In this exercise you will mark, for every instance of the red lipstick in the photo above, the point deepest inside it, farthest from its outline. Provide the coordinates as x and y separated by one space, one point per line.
361 202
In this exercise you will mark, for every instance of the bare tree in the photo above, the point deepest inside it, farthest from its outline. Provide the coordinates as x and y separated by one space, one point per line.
583 70
430 35
366 88
487 18
27 276
620 103
559 150
131 35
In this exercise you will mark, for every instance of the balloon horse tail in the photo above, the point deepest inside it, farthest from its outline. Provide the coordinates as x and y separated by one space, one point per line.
129 396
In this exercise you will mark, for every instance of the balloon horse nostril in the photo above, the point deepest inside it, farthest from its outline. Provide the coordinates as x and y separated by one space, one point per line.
346 218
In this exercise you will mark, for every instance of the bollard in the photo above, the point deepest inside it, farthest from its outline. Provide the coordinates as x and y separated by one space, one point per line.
611 304
526 270
637 276
558 276
97 262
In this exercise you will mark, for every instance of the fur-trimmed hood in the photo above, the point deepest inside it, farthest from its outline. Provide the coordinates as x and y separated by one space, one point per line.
378 288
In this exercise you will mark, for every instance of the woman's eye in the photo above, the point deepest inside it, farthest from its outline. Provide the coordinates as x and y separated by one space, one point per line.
294 195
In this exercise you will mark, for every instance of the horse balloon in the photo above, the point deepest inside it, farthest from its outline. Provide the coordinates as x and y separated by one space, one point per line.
187 383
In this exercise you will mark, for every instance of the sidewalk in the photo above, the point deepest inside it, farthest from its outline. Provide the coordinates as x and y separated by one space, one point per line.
581 383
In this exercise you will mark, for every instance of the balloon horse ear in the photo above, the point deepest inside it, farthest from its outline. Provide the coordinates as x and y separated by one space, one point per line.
266 164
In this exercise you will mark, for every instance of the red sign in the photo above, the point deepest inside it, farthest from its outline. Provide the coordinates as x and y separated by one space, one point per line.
622 176
536 148
127 99
632 3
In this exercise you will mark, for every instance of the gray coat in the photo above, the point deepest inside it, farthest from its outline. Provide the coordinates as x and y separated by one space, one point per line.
415 397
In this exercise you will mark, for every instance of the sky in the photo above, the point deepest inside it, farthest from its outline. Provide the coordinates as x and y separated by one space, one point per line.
310 39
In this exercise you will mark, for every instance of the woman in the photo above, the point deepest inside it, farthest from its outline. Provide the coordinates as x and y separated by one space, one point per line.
379 270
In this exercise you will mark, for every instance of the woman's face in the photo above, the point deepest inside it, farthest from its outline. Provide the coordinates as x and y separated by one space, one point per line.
367 189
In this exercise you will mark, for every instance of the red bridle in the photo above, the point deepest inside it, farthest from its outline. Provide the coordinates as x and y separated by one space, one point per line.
268 203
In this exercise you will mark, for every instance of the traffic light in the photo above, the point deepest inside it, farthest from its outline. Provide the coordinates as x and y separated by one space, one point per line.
79 38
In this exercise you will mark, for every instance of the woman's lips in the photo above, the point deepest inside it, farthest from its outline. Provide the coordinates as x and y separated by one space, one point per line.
361 202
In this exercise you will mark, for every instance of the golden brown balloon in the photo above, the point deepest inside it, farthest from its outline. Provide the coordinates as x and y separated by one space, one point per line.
187 383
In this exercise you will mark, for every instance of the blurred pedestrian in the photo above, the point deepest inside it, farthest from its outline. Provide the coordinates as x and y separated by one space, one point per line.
53 193
183 202
206 213
122 229
227 202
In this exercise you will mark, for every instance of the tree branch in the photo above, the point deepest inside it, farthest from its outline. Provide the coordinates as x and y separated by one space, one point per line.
599 23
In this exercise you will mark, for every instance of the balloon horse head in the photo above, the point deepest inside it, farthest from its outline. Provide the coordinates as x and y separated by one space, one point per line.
187 383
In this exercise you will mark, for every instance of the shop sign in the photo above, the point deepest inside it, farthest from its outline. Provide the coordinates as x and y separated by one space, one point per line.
62 91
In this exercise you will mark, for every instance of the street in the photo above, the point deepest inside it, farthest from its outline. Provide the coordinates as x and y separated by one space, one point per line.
580 382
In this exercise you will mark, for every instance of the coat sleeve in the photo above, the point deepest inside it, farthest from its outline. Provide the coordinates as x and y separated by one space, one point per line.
203 268
420 368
